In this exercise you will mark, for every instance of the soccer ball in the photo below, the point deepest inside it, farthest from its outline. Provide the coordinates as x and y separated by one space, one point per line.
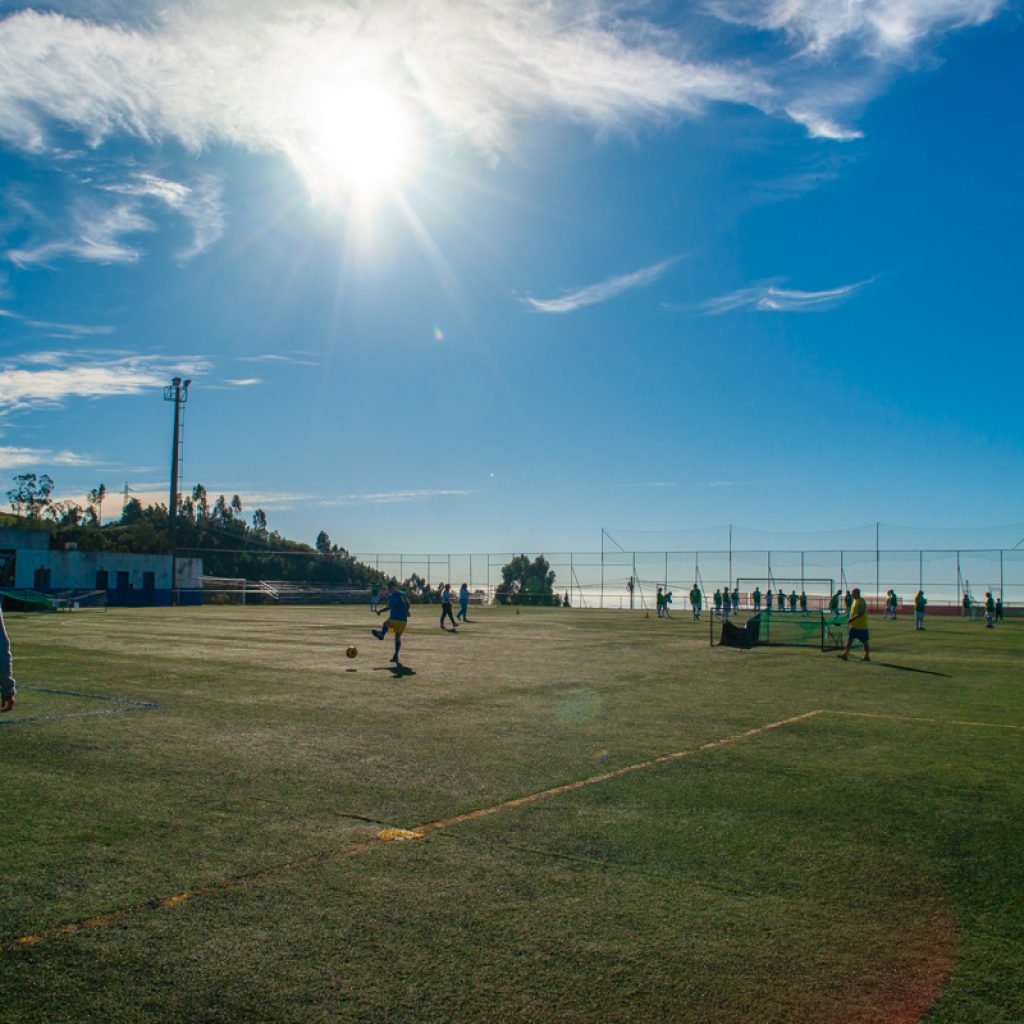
351 652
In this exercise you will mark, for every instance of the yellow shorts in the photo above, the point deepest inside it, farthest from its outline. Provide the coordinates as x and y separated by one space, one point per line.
397 626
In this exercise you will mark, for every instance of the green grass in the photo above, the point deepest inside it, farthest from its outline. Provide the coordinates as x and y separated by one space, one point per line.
861 864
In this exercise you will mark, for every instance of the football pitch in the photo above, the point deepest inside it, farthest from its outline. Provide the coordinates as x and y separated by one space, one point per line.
213 815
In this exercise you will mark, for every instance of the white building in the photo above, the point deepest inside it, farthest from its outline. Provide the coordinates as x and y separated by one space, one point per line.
28 564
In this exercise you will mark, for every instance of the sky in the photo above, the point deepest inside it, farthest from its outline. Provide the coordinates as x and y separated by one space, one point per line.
495 275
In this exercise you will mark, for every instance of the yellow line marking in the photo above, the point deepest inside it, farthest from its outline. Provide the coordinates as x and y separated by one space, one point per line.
417 832
606 776
927 721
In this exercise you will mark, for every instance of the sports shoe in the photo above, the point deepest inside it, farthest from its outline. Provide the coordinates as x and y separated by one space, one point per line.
379 636
844 657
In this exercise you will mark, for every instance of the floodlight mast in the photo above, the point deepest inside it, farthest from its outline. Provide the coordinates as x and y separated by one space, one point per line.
176 392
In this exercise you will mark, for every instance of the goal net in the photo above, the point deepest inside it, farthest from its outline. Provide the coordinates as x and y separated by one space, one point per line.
821 629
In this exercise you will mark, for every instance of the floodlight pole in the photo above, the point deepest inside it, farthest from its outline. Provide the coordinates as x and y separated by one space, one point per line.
176 392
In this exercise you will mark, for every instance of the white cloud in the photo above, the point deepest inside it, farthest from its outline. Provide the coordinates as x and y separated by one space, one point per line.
820 126
392 497
59 330
296 359
600 292
12 457
98 229
877 27
244 382
214 71
204 73
50 378
94 235
771 298
200 204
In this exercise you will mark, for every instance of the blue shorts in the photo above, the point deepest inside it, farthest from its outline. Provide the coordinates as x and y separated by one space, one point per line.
859 634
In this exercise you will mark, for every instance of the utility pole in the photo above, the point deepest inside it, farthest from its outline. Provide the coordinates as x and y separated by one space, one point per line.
177 393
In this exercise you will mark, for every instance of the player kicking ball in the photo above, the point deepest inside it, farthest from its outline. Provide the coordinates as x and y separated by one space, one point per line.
398 618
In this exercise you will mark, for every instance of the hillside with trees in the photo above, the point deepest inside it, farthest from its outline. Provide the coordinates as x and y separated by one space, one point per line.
218 531
230 544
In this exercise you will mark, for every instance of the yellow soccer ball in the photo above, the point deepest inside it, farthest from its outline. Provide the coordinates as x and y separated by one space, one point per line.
351 652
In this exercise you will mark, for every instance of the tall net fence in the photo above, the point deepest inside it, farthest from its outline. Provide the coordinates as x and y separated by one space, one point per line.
617 578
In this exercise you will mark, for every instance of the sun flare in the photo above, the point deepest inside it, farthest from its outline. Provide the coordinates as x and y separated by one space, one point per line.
357 144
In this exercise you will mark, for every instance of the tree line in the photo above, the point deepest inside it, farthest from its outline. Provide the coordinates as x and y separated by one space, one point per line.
232 545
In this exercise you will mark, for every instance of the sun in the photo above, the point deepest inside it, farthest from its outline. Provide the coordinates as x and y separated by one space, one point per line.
356 144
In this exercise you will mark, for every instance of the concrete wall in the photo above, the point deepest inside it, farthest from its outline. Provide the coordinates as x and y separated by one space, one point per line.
76 570
12 539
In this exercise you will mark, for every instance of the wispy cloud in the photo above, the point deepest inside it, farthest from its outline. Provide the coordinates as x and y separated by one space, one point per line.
840 54
200 204
94 234
98 228
59 330
770 298
12 457
874 27
50 378
209 72
244 382
601 292
821 126
290 499
203 73
393 497
295 359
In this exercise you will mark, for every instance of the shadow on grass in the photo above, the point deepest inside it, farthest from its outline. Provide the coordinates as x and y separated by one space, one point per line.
398 671
907 668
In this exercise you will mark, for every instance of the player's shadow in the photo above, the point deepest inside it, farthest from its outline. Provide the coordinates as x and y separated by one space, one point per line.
908 668
398 671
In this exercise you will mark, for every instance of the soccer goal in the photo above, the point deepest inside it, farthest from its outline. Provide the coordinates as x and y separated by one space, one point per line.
821 629
754 592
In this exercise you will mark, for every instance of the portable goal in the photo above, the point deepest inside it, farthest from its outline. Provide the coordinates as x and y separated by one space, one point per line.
816 628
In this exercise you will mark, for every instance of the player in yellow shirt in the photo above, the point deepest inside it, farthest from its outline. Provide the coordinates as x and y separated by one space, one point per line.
858 628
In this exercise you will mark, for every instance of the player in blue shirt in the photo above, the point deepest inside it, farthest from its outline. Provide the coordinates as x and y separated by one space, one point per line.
398 618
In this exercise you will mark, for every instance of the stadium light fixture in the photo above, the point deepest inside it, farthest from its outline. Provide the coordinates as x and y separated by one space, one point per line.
177 393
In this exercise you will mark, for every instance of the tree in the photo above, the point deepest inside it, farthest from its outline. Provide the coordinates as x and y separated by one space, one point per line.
236 506
259 521
65 513
95 499
323 543
526 582
201 502
132 512
30 496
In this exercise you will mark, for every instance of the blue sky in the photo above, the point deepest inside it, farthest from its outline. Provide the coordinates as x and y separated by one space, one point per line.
482 276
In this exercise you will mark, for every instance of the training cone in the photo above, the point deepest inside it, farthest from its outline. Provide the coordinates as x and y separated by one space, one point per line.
647 615
517 611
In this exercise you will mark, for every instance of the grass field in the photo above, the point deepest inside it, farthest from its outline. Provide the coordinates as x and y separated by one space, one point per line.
600 819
